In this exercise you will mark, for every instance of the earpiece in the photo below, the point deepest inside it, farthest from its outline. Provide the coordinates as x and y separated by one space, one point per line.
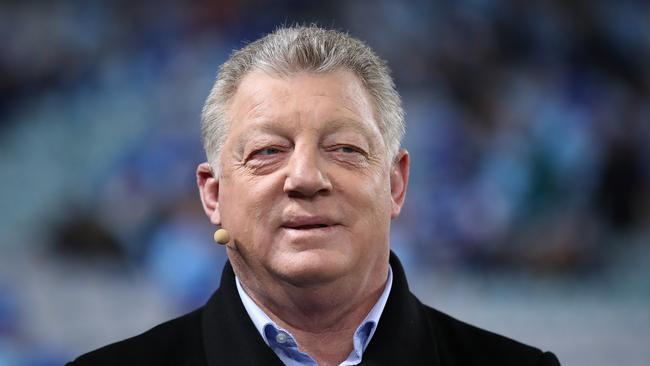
222 236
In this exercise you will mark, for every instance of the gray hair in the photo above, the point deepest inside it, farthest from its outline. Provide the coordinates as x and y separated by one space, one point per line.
290 50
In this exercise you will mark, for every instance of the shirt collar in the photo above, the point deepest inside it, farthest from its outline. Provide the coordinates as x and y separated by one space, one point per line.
362 335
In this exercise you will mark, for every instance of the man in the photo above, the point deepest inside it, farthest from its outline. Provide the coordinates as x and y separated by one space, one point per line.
302 131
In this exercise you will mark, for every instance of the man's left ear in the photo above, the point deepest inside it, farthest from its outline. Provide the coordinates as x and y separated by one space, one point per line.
399 179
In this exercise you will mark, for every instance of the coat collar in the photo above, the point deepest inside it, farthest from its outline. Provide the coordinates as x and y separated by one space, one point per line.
229 336
403 335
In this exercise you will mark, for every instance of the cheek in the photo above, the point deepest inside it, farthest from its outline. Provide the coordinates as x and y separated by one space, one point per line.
368 194
247 203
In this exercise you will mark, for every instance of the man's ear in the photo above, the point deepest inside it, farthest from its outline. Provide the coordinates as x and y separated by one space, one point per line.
209 190
399 179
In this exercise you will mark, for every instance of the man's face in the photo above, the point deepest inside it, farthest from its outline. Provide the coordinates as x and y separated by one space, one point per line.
305 186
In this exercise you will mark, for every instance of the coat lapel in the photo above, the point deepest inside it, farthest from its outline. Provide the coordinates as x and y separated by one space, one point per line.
404 335
229 336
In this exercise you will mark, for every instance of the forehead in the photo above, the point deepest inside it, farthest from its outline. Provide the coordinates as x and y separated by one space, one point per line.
333 100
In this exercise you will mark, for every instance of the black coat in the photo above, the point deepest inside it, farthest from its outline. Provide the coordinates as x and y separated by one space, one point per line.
409 333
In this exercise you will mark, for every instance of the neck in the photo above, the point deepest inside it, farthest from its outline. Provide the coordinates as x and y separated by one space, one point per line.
322 318
325 333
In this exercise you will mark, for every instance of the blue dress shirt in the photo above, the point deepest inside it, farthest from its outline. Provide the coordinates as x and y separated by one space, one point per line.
284 344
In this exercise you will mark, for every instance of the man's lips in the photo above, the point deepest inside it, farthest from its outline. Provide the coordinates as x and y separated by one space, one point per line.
308 222
306 227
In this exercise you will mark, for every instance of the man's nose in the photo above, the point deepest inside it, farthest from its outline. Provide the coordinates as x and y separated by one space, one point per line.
306 174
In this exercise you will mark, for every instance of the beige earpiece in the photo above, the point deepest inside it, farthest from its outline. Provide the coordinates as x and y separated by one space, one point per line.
222 236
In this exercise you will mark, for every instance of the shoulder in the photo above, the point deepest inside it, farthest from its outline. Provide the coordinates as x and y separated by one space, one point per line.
464 344
175 342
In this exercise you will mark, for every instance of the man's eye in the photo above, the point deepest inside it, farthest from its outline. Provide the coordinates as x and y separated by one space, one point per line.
346 149
268 151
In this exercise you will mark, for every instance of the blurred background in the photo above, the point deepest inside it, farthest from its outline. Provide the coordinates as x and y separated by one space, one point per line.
528 211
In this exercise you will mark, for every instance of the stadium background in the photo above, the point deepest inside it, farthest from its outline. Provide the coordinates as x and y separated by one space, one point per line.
528 211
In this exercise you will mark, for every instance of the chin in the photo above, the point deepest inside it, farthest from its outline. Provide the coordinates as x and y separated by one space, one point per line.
311 267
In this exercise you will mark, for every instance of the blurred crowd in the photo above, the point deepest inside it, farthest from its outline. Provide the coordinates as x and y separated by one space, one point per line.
527 123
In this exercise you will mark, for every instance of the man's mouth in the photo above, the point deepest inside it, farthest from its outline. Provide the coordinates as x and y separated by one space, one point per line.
308 223
307 227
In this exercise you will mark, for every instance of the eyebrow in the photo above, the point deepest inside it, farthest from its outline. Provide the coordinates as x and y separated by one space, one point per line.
345 123
262 127
276 126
